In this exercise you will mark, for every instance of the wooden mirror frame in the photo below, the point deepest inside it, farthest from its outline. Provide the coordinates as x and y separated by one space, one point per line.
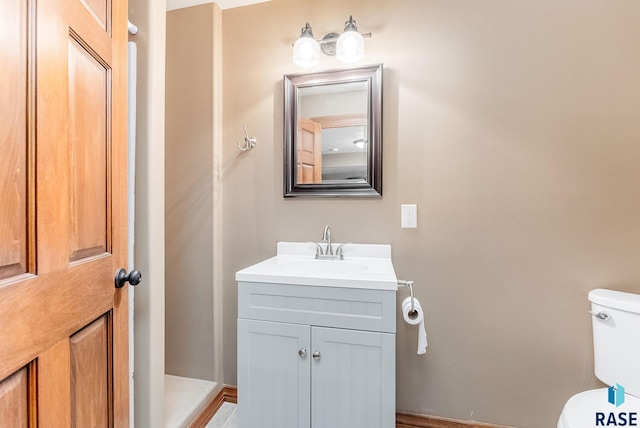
372 186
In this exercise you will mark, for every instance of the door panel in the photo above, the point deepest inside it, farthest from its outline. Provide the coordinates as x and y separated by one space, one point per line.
14 400
309 152
99 9
88 102
90 374
63 324
13 139
353 380
273 379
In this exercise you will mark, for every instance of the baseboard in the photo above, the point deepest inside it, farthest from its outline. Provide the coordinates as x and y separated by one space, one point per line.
412 420
223 393
229 394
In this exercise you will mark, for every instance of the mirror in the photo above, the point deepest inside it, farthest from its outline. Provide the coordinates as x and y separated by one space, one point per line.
333 133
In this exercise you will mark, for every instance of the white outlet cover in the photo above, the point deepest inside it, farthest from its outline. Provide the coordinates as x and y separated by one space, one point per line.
409 216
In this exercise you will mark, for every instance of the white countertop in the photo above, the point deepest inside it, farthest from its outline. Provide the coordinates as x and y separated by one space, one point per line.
366 266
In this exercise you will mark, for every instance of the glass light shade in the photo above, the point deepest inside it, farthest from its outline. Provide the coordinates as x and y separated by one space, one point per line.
306 52
350 46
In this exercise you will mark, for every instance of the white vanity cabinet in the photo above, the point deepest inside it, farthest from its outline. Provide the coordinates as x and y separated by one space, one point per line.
315 356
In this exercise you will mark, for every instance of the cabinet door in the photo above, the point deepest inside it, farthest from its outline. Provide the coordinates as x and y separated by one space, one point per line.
273 374
353 379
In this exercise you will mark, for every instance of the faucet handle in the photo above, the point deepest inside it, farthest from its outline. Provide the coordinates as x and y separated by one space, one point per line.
318 248
339 249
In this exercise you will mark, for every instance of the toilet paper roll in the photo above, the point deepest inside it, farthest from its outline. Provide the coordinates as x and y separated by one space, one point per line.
415 318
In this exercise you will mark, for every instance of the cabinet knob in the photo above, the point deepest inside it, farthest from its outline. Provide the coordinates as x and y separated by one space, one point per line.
316 355
302 353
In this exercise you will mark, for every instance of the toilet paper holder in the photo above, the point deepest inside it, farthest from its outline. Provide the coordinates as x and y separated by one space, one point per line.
406 283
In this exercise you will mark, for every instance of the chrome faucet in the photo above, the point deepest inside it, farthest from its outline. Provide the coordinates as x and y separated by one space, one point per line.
326 237
328 253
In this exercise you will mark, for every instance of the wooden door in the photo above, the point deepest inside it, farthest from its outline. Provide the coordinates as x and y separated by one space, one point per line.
352 379
309 152
273 374
63 324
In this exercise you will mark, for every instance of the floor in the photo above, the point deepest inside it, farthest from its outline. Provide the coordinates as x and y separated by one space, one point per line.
183 398
225 417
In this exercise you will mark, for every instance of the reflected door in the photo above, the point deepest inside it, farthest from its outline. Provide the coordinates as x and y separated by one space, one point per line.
63 324
309 152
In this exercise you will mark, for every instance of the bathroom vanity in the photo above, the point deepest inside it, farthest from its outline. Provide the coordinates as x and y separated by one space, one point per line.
316 339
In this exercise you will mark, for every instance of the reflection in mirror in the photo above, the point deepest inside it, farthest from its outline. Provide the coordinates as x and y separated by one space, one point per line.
344 153
333 133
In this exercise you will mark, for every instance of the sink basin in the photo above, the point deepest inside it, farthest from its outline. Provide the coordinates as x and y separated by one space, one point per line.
364 266
323 267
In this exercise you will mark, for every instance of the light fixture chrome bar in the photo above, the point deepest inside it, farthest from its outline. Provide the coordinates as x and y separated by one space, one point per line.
335 38
329 42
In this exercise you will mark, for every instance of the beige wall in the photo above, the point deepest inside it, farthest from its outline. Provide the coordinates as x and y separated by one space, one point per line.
189 193
514 127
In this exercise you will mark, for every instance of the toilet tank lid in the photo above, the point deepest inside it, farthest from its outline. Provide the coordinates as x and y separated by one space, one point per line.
616 299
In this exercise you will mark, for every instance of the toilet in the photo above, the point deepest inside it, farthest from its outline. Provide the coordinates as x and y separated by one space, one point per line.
616 346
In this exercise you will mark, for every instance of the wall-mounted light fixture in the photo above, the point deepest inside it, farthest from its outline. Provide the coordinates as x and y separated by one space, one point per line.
360 143
347 47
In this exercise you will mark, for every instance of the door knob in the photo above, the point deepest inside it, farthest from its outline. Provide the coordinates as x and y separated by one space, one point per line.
122 276
316 355
302 352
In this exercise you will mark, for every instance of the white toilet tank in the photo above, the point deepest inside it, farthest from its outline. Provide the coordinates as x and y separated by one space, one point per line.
616 339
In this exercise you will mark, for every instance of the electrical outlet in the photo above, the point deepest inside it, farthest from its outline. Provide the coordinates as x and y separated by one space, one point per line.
409 216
